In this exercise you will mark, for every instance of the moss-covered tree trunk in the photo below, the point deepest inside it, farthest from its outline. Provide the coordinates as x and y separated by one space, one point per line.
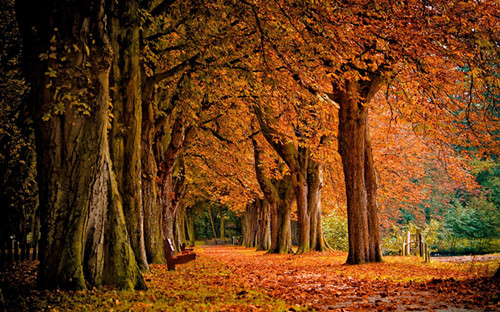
357 161
151 152
125 139
84 238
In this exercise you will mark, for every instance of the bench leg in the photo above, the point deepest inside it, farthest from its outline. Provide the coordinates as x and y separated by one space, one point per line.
171 265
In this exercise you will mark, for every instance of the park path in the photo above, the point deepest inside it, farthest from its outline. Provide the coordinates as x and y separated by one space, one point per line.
233 278
320 281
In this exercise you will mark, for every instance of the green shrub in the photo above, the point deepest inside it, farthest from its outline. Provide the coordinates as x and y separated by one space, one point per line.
335 230
392 244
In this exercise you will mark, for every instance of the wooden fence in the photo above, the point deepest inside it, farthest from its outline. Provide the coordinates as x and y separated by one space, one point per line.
416 241
12 250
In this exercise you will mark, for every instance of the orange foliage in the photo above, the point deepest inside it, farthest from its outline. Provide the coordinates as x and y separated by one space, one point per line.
232 278
438 61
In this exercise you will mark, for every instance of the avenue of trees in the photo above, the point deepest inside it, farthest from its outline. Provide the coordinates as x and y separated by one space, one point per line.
148 113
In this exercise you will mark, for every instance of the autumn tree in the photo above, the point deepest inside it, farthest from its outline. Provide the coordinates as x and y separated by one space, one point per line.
349 51
278 193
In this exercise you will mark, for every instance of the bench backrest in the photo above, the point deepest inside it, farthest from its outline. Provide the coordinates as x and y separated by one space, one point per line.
169 249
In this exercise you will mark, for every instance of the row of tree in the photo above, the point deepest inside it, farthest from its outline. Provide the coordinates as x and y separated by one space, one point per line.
131 99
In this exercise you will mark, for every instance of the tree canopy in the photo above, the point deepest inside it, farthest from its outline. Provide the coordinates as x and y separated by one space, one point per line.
286 110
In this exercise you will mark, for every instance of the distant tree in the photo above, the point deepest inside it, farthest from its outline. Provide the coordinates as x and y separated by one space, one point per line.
18 188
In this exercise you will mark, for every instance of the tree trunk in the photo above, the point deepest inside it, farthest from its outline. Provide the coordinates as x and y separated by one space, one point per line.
281 229
256 228
280 199
125 141
171 176
371 192
299 183
150 199
264 226
212 221
84 238
354 148
315 184
190 226
310 234
180 227
247 230
221 222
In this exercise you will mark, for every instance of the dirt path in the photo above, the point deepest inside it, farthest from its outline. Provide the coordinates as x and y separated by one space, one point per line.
322 282
228 278
470 259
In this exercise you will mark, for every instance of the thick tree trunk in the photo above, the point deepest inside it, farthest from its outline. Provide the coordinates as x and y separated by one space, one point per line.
84 238
126 125
150 199
354 148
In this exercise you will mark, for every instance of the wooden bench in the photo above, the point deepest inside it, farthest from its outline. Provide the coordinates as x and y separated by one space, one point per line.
185 256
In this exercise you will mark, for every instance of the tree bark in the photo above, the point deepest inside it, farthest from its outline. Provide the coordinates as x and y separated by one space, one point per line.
280 200
315 184
180 226
221 222
371 192
357 160
150 199
249 228
298 161
84 238
190 226
257 225
264 227
298 170
212 221
125 141
171 176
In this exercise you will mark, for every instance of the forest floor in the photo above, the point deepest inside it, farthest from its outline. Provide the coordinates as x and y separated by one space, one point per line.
230 278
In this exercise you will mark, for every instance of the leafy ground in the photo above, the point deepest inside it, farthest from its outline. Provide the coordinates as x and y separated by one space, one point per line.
227 278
